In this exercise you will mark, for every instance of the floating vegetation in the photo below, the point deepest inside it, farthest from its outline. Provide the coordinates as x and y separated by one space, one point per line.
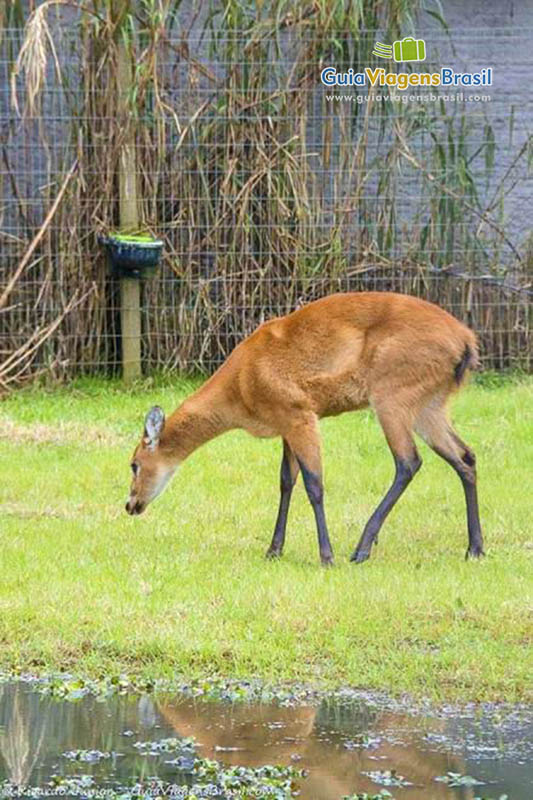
387 777
501 797
363 742
156 748
455 780
206 779
88 756
505 716
383 795
67 687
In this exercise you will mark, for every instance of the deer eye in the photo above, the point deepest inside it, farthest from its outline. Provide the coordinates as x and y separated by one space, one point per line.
135 469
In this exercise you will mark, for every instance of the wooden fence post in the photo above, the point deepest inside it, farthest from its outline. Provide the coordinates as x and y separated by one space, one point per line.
130 288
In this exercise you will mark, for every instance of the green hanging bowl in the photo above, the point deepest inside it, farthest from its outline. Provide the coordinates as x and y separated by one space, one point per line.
133 256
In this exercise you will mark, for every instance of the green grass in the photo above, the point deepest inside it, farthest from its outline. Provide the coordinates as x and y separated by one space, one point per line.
185 587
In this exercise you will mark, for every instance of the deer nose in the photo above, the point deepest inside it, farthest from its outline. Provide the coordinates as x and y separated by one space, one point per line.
134 507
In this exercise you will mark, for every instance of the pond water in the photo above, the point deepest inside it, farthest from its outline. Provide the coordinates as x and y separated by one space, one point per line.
345 747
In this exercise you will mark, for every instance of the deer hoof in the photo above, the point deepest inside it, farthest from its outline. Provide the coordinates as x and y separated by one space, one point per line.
475 552
358 556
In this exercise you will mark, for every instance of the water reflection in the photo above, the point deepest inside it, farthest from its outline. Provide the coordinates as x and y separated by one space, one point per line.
336 743
22 733
328 741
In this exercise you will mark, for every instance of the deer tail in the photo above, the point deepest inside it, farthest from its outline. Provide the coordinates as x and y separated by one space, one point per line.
469 360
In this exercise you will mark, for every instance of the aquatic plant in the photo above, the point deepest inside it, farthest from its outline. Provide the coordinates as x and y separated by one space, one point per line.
387 777
455 780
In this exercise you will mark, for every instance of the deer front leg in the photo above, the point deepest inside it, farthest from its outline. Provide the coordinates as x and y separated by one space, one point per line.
304 441
288 475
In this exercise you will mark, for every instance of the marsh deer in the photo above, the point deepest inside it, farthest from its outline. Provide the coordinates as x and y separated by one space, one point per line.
402 356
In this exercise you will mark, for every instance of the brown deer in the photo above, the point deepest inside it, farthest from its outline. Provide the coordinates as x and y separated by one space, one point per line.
402 356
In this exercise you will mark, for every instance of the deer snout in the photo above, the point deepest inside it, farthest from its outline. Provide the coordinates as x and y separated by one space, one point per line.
134 507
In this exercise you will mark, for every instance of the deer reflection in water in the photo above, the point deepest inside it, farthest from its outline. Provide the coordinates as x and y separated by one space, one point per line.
314 738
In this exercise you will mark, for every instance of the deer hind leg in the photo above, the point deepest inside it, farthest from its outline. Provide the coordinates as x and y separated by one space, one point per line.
288 475
303 439
435 428
407 462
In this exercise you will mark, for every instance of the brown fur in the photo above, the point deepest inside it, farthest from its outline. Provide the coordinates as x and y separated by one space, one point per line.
396 353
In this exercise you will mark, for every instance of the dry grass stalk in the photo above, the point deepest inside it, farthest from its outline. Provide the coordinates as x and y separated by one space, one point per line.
17 365
33 57
37 238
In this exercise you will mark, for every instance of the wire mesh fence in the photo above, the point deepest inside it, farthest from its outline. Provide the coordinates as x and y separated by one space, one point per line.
268 188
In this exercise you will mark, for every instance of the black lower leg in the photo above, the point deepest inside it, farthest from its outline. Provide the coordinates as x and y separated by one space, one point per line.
465 467
287 481
405 470
475 537
315 493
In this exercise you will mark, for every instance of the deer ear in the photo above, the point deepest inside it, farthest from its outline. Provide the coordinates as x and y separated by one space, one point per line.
153 425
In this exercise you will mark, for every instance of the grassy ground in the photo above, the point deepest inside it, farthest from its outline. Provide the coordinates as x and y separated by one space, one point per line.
185 587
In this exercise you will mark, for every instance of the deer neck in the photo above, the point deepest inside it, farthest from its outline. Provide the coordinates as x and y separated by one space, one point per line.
200 418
